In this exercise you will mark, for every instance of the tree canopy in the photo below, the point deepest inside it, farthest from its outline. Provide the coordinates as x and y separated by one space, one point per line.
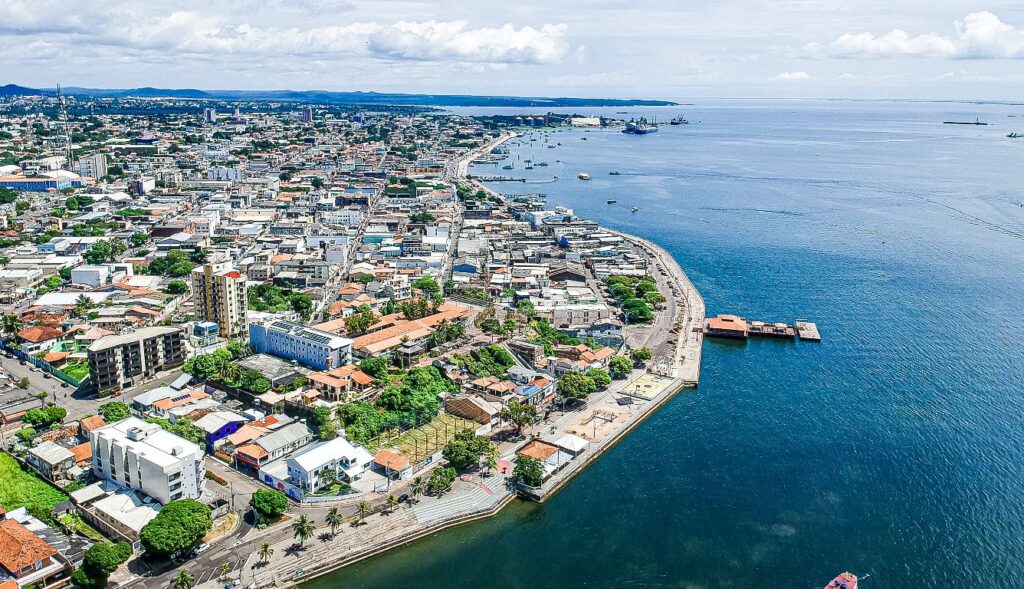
620 366
179 525
574 385
268 503
528 471
114 411
465 449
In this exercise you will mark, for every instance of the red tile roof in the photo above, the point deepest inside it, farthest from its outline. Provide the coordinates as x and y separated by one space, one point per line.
39 333
20 548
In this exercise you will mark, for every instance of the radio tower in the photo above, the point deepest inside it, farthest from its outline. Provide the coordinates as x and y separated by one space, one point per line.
68 154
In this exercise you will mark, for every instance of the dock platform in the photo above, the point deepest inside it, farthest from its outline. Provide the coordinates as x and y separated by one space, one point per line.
808 330
736 327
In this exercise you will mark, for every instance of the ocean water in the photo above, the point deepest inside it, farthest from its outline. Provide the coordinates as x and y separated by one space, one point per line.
894 448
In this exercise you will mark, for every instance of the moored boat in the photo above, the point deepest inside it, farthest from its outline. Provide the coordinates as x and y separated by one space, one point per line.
583 176
843 581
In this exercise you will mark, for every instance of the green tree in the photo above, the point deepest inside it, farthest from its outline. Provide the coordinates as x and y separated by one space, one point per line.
392 503
177 287
490 459
268 504
317 183
375 367
115 411
302 529
100 560
71 204
100 253
427 284
8 195
441 479
137 239
363 509
416 487
620 367
11 323
183 580
334 519
265 552
25 435
600 377
574 385
641 354
528 471
518 414
465 449
179 525
360 320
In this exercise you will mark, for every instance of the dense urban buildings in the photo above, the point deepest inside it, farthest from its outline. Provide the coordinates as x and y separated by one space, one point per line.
117 361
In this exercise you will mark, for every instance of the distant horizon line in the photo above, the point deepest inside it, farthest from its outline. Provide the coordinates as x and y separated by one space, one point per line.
673 101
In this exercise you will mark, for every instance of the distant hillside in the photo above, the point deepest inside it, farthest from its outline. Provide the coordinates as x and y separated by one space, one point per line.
367 98
15 90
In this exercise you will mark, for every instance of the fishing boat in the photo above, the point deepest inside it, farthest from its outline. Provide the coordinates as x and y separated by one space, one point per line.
843 581
612 201
635 209
613 173
508 167
680 120
583 176
543 164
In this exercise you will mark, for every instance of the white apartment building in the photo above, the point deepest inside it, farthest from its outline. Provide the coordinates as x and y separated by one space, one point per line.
93 166
143 456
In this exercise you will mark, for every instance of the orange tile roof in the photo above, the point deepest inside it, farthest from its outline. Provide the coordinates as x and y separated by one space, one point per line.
390 460
93 421
20 548
253 451
538 450
170 403
52 357
82 452
39 333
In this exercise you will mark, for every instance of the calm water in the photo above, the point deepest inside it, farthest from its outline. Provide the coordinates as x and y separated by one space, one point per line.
895 447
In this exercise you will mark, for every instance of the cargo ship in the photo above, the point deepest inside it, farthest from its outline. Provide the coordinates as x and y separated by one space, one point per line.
680 120
641 127
843 581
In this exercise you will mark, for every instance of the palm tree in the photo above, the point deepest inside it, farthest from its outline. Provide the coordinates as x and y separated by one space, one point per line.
183 580
11 324
392 502
303 529
363 510
334 519
225 568
83 304
265 552
41 395
417 488
490 459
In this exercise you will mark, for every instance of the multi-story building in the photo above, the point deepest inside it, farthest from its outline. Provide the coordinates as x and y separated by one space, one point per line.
143 456
306 345
220 296
93 166
118 361
210 115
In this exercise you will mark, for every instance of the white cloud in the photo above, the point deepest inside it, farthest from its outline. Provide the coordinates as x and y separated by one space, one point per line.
981 35
793 76
194 31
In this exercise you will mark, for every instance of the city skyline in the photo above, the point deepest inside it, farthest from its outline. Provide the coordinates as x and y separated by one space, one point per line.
950 49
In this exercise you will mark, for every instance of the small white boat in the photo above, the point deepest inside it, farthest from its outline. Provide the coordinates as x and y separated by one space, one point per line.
583 176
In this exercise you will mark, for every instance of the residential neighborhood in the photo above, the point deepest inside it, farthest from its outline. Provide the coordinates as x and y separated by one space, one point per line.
231 324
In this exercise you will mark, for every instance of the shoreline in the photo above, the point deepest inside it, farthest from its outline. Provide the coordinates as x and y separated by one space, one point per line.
685 373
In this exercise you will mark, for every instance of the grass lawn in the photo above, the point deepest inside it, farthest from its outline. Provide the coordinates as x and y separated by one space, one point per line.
76 370
82 528
416 444
25 489
334 489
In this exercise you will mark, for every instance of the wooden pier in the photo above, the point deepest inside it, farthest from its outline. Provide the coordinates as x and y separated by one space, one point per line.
736 327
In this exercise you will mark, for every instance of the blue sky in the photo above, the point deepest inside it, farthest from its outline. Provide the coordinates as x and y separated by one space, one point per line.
940 49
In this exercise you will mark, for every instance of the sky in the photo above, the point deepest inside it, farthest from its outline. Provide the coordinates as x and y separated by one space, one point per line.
678 49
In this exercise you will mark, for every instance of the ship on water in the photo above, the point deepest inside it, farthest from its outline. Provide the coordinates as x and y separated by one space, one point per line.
583 176
640 127
680 120
843 581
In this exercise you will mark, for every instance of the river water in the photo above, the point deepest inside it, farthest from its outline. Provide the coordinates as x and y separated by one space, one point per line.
894 448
